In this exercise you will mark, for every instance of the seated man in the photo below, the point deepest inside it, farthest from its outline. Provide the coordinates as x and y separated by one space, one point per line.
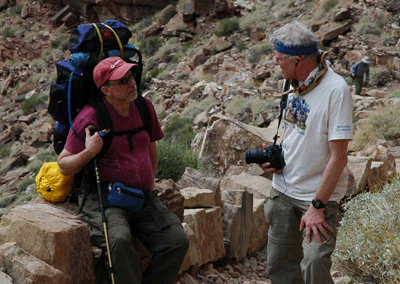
131 160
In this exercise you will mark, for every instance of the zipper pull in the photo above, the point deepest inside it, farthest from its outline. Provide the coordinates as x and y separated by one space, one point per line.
119 190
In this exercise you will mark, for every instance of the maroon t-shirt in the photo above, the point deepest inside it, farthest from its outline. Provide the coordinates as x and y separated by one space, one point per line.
120 164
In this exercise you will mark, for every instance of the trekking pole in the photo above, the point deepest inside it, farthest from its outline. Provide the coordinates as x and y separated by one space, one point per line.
104 220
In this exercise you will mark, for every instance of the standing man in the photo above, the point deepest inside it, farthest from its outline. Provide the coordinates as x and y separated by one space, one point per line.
304 200
357 73
131 160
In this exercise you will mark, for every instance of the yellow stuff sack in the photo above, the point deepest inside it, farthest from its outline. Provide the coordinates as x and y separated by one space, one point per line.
52 184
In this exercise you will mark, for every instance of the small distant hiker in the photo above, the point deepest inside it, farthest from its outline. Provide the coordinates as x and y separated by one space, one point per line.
357 73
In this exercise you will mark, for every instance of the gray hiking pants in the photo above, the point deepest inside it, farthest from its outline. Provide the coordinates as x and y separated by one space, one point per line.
155 226
358 82
290 258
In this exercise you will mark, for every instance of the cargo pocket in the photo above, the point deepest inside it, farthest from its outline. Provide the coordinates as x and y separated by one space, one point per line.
269 205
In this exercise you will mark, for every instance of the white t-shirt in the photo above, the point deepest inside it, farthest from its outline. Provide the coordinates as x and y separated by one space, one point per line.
310 121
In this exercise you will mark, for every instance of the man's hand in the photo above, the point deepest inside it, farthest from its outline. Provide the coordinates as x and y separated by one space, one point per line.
266 167
352 75
366 83
93 143
314 222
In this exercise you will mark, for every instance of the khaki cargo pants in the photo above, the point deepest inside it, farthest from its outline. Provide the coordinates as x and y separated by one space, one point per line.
155 226
290 258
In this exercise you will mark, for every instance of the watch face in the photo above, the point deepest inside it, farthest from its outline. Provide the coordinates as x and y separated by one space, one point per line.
318 204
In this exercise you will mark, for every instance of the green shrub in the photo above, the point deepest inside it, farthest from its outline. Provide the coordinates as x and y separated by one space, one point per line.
60 42
239 108
329 4
367 27
34 101
194 108
153 73
47 155
227 27
249 21
170 47
7 200
379 76
381 124
257 51
179 129
395 93
5 150
240 45
173 158
149 46
390 40
22 185
368 242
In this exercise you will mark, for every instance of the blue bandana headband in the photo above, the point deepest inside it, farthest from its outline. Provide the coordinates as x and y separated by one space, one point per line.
295 50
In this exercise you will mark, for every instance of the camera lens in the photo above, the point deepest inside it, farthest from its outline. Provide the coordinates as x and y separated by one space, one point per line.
256 156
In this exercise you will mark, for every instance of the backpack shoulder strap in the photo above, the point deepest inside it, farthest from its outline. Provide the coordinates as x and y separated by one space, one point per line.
104 120
144 113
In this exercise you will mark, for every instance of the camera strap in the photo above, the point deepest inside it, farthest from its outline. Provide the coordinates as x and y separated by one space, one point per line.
282 106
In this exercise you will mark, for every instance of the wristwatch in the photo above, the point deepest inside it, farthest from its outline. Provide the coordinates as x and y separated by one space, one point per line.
318 204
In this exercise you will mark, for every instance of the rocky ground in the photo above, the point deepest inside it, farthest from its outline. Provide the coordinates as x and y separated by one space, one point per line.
251 270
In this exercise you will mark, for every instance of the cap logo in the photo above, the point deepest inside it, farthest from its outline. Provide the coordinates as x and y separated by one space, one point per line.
112 66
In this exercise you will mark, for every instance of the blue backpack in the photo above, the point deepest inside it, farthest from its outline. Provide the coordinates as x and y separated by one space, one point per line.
75 88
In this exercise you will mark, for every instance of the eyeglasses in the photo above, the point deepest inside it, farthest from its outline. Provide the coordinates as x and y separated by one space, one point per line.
124 81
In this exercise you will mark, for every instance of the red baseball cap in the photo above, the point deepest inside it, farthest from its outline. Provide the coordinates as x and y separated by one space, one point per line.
111 68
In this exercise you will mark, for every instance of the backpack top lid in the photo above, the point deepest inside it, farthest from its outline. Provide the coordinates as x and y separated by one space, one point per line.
85 37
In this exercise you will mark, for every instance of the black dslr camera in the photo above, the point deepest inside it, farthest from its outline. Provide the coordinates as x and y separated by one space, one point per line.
273 155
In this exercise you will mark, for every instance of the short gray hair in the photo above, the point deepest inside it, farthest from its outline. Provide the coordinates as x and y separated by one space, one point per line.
294 34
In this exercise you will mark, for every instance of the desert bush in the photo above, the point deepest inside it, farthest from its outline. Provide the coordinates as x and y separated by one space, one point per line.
366 27
381 124
22 185
34 101
150 45
249 21
179 129
194 108
61 41
390 40
329 4
395 93
257 51
227 27
153 73
240 108
259 106
368 242
173 158
170 47
51 55
379 75
240 45
46 155
5 150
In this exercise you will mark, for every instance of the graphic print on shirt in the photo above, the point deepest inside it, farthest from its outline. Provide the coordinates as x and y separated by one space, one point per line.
297 113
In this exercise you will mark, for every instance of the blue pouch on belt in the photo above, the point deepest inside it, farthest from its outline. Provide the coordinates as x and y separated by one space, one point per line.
127 198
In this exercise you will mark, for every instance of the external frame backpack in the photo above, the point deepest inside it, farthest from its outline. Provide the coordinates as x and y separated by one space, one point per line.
75 88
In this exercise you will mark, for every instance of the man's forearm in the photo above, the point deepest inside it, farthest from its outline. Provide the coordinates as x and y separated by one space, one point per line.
73 164
333 169
330 178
